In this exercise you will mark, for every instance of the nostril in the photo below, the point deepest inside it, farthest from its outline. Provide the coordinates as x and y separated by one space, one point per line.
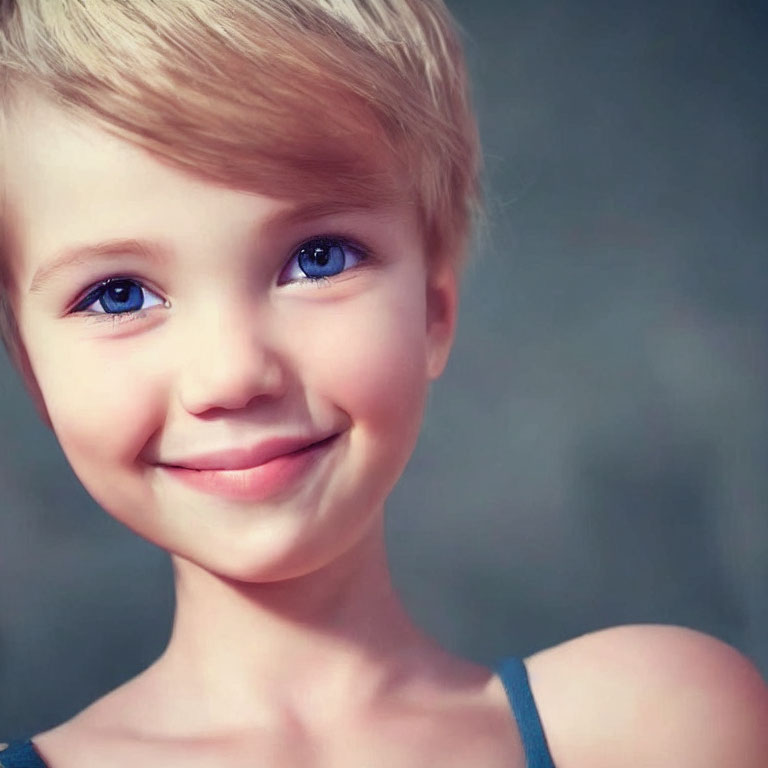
231 381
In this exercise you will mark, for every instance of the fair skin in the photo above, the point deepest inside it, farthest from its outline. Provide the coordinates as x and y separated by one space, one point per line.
289 645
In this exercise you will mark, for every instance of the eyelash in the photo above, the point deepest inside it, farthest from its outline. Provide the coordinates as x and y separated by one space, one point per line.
95 292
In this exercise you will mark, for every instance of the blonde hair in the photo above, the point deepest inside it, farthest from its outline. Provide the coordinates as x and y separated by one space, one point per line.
368 98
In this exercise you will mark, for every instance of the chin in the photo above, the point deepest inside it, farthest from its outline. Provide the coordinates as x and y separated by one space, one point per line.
272 555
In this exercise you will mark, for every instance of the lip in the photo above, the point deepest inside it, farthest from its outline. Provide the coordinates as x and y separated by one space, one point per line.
248 457
258 482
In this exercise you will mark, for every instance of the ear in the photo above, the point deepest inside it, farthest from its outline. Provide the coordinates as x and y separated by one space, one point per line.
442 310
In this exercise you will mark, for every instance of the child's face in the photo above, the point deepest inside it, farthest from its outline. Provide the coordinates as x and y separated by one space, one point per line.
244 353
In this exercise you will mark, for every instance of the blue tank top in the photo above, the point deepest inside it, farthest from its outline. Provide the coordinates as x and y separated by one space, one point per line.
511 670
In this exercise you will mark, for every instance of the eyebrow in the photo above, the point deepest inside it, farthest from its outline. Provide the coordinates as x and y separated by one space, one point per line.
153 251
72 256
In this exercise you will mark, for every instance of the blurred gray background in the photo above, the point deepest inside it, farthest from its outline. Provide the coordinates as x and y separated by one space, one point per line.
595 453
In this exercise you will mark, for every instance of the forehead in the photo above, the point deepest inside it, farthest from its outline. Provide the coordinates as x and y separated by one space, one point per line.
68 180
63 172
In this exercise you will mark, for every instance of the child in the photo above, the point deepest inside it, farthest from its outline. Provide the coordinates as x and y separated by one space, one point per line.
232 237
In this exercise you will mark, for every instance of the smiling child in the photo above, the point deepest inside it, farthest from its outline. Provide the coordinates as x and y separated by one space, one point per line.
232 240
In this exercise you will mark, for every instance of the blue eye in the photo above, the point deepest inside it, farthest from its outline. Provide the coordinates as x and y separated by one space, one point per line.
321 258
117 296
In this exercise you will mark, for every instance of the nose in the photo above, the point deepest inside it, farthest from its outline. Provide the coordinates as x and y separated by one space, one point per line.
229 362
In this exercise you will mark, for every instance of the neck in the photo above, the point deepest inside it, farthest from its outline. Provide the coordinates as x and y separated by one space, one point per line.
320 646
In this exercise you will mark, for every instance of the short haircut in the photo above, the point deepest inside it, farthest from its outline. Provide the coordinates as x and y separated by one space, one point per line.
292 98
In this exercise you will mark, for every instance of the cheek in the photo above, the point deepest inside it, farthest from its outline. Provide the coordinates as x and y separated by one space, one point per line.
372 364
383 371
100 408
103 418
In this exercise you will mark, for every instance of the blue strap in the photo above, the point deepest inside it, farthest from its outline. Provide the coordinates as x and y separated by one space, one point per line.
21 754
514 675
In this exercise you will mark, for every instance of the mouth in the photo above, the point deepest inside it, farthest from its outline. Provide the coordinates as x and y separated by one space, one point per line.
248 457
297 452
259 482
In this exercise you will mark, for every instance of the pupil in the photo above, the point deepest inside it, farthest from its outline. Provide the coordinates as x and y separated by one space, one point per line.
119 292
321 255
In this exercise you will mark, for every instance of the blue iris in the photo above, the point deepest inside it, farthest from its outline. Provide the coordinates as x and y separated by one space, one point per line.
321 258
121 296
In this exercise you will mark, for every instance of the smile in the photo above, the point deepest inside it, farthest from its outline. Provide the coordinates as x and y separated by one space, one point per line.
256 483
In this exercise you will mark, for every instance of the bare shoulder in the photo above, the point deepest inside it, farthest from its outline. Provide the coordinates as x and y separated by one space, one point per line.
651 694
